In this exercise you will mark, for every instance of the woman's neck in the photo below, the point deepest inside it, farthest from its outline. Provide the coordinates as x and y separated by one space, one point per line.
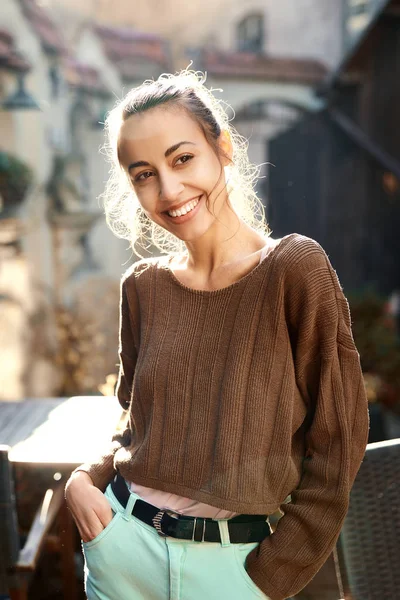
229 240
210 266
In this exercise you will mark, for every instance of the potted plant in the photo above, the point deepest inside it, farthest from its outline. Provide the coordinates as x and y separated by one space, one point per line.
15 179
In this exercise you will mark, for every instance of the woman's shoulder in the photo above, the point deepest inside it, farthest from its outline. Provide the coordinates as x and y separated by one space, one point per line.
302 261
307 273
298 251
299 245
144 266
295 255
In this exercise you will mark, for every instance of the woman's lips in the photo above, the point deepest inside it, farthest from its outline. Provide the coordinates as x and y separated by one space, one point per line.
187 216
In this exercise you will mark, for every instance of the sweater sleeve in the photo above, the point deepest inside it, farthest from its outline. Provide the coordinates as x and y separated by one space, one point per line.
102 471
329 377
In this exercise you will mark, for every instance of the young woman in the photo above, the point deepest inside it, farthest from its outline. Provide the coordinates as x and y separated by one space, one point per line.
238 373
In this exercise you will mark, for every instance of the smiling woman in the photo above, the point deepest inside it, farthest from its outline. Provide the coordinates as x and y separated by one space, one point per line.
176 183
238 373
184 132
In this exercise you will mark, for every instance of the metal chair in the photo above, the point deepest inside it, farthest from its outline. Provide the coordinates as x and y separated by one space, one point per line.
18 564
368 550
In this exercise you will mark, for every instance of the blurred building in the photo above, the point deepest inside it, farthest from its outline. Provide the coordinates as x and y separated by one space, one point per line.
301 29
55 248
71 59
339 169
31 50
268 57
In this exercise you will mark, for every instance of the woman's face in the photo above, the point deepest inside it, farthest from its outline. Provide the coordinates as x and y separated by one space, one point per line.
173 170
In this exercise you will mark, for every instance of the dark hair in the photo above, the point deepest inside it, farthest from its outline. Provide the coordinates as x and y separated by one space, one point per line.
158 94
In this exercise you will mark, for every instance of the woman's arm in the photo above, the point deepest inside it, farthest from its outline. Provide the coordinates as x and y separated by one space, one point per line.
84 489
329 377
102 471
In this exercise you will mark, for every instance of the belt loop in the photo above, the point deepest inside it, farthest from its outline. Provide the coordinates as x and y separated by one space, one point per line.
129 507
224 532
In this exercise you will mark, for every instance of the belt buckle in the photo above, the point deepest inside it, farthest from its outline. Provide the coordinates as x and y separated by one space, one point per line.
157 520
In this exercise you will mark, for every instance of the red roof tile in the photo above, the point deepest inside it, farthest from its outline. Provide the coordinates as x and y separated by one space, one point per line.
48 33
9 56
262 66
127 47
81 76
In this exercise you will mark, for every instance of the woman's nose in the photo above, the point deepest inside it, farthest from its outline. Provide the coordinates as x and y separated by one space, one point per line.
170 187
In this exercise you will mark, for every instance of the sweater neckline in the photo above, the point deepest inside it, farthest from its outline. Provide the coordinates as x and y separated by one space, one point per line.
266 259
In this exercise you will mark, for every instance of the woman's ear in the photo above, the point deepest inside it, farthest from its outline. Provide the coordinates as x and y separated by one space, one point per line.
225 146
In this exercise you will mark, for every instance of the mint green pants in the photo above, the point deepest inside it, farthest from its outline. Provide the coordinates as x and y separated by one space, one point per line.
128 560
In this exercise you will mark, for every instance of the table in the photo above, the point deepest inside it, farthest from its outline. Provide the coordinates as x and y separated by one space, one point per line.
47 439
62 432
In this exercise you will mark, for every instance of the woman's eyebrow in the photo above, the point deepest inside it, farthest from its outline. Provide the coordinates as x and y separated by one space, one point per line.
139 163
168 152
175 147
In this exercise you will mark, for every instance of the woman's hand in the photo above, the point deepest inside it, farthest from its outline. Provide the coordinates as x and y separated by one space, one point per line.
89 507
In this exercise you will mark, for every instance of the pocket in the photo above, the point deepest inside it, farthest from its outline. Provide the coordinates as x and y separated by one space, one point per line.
104 533
241 552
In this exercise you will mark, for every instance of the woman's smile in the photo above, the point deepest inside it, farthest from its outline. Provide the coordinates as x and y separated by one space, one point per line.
185 212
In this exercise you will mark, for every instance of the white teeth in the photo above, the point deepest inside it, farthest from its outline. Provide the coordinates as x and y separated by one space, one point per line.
184 209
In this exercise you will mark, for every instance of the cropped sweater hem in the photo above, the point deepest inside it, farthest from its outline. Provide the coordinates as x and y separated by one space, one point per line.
239 506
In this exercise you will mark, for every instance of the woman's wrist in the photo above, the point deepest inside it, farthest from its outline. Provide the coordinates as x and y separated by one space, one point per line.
80 476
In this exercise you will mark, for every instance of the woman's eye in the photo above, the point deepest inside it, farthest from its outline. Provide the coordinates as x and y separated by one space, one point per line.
184 159
143 176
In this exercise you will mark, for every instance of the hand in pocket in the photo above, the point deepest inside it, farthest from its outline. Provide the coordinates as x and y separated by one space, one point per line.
89 507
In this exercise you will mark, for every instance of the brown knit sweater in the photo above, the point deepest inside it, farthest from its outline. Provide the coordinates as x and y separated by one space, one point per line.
242 396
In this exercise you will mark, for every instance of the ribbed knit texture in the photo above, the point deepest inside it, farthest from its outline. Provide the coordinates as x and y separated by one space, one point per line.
242 396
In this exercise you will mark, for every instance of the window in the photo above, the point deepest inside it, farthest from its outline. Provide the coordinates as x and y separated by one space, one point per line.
357 7
250 34
357 16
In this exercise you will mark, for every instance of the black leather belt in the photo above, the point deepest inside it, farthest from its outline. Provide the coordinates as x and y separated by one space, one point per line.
242 528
